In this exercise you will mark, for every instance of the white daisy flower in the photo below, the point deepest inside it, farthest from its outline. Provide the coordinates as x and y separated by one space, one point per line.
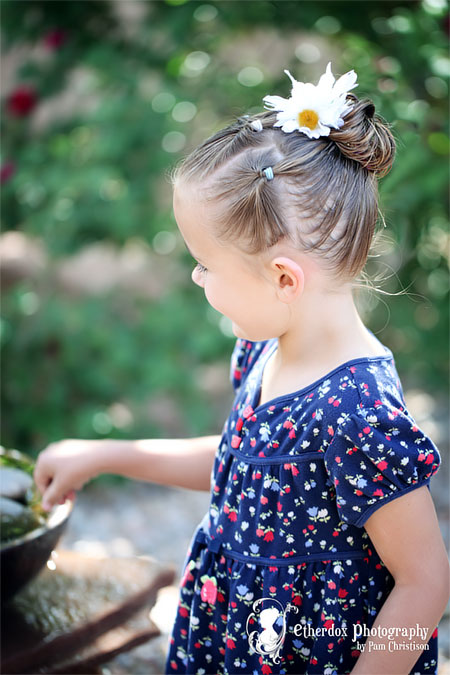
314 109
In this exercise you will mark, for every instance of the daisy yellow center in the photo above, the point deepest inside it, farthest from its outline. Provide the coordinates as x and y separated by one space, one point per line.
308 118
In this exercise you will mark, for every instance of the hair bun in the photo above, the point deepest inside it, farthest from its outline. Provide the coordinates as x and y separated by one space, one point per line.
366 138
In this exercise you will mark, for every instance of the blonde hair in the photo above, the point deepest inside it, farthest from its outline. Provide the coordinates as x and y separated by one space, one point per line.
327 186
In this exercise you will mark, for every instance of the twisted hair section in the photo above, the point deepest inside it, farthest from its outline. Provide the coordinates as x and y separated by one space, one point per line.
321 194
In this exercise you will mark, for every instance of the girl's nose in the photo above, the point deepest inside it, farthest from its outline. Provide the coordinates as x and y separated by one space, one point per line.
197 277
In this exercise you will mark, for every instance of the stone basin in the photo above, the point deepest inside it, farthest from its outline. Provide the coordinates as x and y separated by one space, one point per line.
23 557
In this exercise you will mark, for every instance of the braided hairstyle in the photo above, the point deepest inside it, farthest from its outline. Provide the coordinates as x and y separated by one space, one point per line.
323 195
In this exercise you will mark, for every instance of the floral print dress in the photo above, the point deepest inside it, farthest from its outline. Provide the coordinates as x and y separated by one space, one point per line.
281 576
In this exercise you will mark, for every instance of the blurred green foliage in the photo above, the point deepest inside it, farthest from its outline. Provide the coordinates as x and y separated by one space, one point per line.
144 82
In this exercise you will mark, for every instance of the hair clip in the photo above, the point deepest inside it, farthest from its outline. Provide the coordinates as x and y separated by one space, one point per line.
256 125
267 173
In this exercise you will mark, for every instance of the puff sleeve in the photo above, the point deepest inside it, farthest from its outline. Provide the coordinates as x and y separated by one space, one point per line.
377 454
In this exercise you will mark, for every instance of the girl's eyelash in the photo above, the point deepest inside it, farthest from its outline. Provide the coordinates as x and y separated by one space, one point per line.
201 268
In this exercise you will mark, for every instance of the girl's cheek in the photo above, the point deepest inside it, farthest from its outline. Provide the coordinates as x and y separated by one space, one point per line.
214 298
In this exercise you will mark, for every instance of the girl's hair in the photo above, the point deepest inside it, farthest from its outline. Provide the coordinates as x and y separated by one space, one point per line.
324 194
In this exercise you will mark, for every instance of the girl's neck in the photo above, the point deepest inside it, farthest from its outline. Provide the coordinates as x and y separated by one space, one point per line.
326 328
325 331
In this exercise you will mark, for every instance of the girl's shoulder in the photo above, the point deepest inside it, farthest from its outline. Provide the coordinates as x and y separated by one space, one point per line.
245 354
377 381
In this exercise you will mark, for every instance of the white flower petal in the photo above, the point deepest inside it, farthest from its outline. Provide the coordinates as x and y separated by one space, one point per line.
275 102
290 125
327 79
345 83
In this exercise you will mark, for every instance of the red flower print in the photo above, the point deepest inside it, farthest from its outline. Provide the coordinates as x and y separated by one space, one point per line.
273 589
279 506
235 441
268 536
248 412
259 532
173 665
21 101
331 431
429 459
331 584
421 457
378 493
288 424
382 465
209 589
183 612
356 653
294 470
266 669
292 433
197 645
358 492
239 424
264 500
187 573
328 623
233 516
366 430
253 442
337 459
297 600
342 593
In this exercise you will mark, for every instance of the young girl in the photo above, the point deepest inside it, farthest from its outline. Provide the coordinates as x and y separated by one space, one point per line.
321 551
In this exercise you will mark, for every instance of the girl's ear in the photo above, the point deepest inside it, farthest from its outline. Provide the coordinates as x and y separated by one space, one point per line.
288 277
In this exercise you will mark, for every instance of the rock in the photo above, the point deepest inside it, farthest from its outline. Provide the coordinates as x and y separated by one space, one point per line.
14 483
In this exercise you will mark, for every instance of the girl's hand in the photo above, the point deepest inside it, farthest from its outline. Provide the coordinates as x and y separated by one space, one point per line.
64 467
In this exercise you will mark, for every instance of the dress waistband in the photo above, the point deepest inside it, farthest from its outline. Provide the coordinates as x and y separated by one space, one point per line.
216 546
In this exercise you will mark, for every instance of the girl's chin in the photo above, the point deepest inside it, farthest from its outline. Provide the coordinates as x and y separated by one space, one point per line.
252 337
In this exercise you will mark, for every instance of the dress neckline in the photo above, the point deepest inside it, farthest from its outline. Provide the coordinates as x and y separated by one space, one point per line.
304 390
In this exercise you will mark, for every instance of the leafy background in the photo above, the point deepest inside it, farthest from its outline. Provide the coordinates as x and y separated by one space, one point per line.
102 332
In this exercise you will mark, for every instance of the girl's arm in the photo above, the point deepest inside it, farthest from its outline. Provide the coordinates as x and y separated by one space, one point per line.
406 535
66 466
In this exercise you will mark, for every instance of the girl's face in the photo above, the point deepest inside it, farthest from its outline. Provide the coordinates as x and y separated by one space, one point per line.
236 284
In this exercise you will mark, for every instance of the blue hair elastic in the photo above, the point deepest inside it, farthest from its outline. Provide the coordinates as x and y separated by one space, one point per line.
268 173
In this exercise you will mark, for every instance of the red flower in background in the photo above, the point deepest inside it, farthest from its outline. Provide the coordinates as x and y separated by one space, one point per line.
21 101
7 170
55 38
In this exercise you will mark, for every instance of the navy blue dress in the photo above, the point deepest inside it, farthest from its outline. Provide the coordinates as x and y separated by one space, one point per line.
281 576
